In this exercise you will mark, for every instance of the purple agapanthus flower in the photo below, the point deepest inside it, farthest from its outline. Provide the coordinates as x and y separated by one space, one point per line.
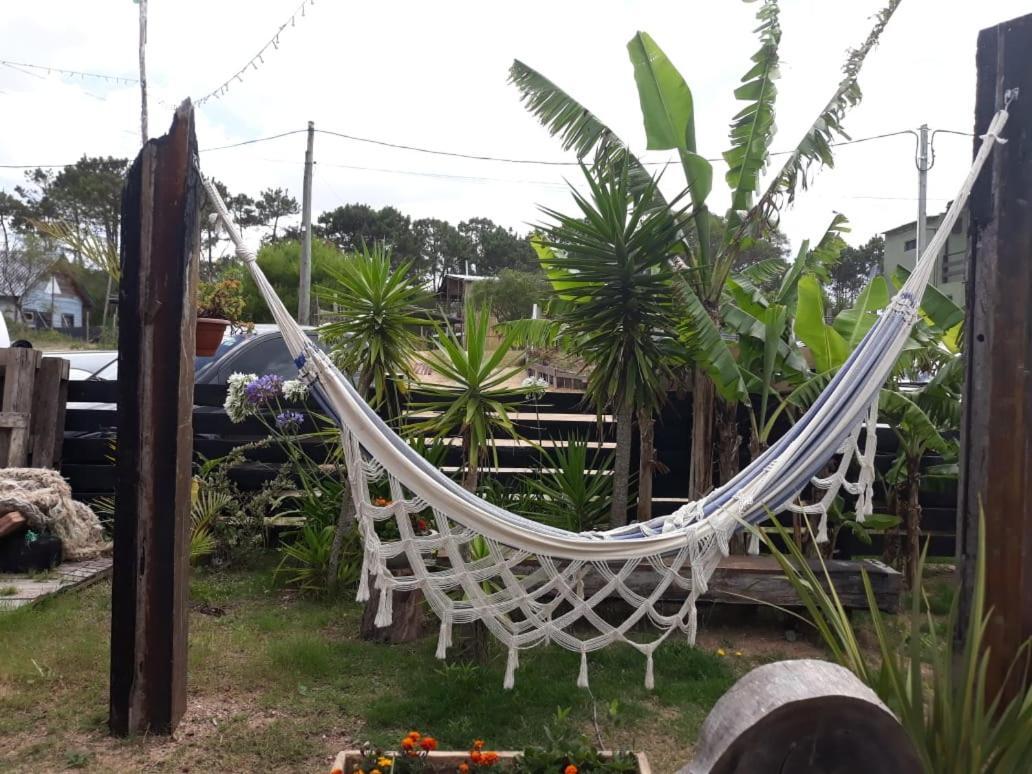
263 389
289 420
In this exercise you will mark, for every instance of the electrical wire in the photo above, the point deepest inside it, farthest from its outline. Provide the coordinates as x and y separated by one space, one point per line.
71 73
258 58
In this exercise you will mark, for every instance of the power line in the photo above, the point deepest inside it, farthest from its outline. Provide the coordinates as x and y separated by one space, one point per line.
72 73
255 140
259 58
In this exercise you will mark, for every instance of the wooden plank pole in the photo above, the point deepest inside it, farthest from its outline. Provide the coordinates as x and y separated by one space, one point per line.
18 367
156 328
49 399
996 467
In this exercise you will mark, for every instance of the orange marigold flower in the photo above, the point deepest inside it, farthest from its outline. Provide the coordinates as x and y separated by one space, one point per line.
428 743
463 768
414 735
407 743
478 744
489 758
475 756
571 769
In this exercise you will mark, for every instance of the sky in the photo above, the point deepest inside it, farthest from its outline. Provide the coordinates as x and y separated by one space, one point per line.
434 75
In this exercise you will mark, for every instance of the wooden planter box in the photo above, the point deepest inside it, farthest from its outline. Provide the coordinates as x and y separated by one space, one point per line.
447 761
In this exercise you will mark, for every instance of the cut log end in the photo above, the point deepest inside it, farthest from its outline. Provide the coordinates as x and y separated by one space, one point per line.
806 717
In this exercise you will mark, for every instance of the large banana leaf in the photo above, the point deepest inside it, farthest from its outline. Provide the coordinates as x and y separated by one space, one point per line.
666 100
854 323
939 308
752 129
827 346
774 320
911 421
701 336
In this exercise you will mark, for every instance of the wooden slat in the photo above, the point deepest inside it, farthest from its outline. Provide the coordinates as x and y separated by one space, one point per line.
18 368
48 412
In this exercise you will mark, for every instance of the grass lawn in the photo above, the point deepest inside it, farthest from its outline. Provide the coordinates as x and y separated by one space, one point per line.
281 683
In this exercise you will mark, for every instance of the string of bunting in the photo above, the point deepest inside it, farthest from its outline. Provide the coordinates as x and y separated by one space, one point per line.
116 79
258 59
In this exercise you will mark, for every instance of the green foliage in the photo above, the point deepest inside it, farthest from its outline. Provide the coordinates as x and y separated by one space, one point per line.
279 261
613 254
374 331
939 695
306 558
511 295
575 491
565 746
222 299
477 401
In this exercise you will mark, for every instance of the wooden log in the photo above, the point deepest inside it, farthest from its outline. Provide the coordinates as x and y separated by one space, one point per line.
751 580
407 624
50 395
157 313
996 431
804 717
18 370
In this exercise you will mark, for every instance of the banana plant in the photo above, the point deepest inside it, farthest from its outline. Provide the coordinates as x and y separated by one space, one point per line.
924 415
704 260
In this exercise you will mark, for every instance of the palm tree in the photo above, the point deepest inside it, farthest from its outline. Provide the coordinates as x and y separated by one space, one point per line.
378 311
477 403
611 261
707 260
375 338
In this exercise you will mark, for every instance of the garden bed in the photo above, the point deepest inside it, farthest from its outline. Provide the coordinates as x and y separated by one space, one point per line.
449 761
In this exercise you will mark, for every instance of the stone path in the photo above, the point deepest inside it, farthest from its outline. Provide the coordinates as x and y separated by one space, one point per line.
20 590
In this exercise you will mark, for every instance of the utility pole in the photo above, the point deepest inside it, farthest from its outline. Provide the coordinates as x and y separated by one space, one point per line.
143 72
923 165
304 292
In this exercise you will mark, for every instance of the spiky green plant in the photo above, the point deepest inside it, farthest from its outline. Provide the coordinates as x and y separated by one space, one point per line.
938 693
476 402
575 490
374 333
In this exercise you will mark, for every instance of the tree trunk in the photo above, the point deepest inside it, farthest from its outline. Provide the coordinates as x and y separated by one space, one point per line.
107 303
622 467
646 462
345 521
730 440
703 400
913 518
408 622
471 478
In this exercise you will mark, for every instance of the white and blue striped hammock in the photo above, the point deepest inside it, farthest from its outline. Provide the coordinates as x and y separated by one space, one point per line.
536 583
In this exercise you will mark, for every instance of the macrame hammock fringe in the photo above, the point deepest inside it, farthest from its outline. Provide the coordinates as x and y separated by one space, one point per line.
532 584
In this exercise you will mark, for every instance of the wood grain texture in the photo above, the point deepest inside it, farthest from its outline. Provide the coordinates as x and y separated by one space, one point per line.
996 467
152 513
804 717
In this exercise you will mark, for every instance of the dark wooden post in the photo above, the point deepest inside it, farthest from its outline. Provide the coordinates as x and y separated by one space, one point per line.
996 470
157 313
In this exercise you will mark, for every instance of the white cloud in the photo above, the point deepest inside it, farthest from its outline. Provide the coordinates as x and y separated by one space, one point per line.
434 75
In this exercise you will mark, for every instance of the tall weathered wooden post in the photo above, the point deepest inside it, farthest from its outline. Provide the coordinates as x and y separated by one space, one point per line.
996 470
157 313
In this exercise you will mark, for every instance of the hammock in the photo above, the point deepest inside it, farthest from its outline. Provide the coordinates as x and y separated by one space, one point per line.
531 583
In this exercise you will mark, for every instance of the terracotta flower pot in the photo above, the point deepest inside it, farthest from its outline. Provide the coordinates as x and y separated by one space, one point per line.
209 335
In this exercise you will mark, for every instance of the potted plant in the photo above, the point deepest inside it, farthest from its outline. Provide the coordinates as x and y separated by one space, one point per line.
220 304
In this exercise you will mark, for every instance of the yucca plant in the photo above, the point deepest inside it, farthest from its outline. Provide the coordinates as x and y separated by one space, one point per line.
609 261
374 335
938 694
477 402
575 490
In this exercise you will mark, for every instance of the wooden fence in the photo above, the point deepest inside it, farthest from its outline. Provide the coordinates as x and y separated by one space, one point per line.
90 447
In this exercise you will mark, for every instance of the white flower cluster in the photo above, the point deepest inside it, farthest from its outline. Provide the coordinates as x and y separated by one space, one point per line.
535 384
236 405
295 390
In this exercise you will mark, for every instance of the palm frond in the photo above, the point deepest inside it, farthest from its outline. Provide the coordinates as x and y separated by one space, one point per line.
753 127
815 147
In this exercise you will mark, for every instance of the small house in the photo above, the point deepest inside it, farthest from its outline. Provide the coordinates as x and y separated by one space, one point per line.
55 300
